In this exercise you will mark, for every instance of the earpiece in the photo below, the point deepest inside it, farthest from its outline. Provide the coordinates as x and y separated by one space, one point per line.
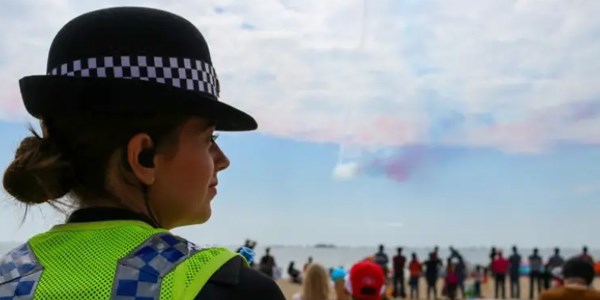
146 158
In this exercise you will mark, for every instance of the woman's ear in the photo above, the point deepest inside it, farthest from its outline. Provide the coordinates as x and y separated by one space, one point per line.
140 157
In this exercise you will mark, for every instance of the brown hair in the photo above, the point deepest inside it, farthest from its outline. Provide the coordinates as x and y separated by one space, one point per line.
316 283
73 153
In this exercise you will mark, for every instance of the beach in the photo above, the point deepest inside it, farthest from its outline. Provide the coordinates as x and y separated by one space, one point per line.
289 289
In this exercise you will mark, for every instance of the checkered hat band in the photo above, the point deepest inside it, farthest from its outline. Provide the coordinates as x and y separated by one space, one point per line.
185 73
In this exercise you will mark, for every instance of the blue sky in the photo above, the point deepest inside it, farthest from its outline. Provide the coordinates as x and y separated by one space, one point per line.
415 122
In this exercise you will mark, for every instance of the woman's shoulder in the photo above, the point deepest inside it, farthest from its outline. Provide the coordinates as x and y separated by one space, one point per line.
236 281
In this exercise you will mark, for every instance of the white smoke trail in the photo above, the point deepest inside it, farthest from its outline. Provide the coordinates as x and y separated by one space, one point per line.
346 170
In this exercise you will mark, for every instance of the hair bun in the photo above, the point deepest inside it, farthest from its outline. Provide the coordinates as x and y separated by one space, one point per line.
38 173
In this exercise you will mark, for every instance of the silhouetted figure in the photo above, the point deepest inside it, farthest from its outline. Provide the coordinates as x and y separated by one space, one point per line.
250 245
535 274
382 260
415 268
578 276
399 262
500 267
477 279
585 255
453 254
461 273
555 261
436 249
267 263
432 273
460 269
294 273
514 272
451 280
310 260
492 254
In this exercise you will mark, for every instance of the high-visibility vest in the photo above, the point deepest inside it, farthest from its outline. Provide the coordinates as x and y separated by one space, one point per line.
108 260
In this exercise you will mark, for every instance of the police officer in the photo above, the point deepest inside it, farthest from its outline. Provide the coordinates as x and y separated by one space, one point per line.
128 109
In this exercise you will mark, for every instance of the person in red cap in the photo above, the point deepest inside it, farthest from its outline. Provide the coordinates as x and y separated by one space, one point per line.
366 281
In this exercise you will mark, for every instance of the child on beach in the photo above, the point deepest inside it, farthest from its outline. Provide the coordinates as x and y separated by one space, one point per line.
477 279
451 281
415 272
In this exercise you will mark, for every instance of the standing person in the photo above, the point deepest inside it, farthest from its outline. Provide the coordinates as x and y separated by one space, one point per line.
578 276
585 255
134 149
399 262
415 273
435 252
382 260
499 268
267 263
535 273
460 269
432 273
493 255
315 285
307 264
556 261
246 245
451 280
461 273
366 281
514 271
453 254
477 279
248 250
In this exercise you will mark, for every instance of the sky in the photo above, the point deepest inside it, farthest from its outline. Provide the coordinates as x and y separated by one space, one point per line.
466 123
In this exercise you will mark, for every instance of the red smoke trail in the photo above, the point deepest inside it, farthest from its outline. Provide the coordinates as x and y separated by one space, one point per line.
399 167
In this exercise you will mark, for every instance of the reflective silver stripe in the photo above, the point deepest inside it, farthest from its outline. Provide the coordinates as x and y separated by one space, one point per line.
20 273
139 274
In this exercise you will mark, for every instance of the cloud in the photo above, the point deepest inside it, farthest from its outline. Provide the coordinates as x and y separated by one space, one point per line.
518 76
394 225
588 189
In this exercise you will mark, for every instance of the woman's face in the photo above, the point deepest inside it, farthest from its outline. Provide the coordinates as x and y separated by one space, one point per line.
186 179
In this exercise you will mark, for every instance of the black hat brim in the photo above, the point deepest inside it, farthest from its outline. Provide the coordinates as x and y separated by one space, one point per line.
46 95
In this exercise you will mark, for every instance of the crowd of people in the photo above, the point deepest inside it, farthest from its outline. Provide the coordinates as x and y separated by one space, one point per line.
548 279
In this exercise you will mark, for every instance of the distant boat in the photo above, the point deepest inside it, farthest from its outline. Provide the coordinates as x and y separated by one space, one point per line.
331 246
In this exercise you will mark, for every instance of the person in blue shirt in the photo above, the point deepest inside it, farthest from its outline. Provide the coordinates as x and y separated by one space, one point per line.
535 274
514 266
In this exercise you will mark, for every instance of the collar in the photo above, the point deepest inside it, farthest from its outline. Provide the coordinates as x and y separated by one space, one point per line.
98 214
228 274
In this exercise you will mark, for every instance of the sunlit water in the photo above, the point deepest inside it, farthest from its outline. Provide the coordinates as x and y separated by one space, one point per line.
346 256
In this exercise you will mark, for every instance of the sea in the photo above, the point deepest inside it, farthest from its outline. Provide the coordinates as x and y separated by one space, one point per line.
345 256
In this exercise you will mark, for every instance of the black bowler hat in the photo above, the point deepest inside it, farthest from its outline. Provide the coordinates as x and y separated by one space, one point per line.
130 60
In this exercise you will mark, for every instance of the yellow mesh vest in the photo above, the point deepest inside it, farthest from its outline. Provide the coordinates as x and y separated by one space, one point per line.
108 260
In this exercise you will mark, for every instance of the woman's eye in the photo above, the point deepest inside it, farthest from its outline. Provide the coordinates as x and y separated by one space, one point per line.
214 137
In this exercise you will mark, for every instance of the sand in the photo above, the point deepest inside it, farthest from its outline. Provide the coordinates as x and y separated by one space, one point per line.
289 289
